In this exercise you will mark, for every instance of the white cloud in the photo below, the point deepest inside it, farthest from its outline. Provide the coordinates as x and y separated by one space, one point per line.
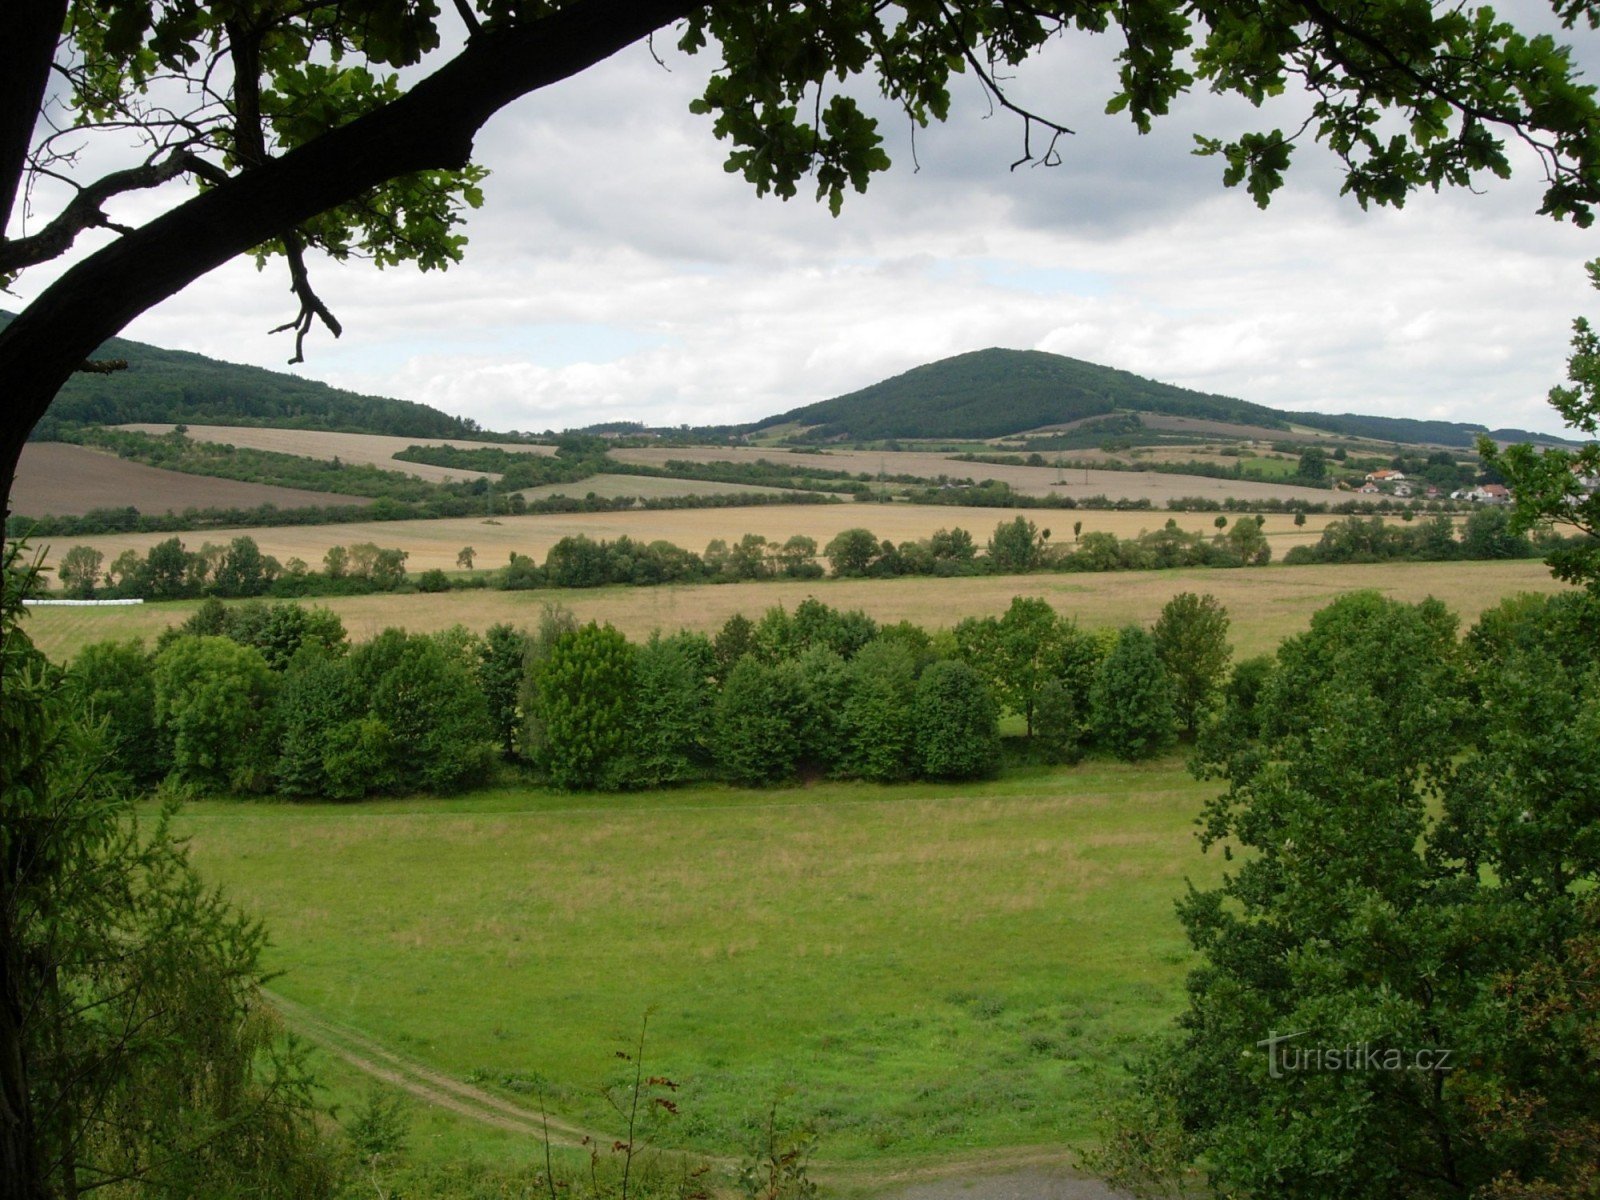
618 272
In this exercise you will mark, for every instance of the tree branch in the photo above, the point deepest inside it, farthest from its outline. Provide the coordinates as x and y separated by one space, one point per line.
311 305
85 211
432 126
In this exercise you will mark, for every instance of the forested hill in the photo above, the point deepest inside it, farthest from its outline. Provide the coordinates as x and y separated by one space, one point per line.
990 393
175 386
994 393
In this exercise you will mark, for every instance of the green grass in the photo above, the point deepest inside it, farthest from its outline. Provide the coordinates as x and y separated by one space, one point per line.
924 971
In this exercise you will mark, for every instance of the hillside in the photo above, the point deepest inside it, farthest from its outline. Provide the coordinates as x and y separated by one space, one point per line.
995 393
176 386
990 393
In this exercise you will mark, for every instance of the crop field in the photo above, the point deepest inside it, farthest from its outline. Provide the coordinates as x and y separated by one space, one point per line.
54 478
1266 604
369 448
920 970
646 487
435 543
1030 481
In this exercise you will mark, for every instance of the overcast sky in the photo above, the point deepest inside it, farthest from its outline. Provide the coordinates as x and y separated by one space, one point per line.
617 272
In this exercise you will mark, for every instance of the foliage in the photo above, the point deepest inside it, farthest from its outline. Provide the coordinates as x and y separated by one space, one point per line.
502 655
213 706
584 688
1018 652
851 552
670 717
1562 487
957 723
1191 637
1413 835
431 708
1133 698
111 684
756 733
1016 546
877 723
145 1057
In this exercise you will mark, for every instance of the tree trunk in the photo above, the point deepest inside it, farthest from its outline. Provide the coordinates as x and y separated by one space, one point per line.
430 127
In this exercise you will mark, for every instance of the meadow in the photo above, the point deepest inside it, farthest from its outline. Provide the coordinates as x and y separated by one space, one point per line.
1266 604
922 971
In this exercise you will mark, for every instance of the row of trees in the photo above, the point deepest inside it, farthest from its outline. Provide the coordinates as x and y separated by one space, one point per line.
1488 533
259 698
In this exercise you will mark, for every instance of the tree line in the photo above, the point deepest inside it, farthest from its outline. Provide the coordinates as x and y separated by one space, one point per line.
261 698
169 571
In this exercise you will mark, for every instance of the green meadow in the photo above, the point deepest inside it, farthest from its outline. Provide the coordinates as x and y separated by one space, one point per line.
922 972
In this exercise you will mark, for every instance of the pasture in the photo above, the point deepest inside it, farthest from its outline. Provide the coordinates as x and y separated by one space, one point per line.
435 543
922 970
1266 603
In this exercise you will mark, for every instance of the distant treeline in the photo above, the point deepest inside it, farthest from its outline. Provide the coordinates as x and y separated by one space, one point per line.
169 571
131 520
272 699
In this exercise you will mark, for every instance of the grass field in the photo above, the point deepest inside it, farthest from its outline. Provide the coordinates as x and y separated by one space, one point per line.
436 543
1266 603
61 480
921 970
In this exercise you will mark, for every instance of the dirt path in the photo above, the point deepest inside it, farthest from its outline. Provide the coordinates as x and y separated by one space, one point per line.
1022 1173
423 1082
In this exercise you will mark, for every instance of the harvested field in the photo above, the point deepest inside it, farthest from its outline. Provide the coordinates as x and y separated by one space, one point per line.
436 543
55 479
645 487
1266 604
1029 481
368 448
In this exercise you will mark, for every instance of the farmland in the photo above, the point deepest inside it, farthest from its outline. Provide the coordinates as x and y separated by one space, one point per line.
1265 603
436 543
1029 481
66 480
373 449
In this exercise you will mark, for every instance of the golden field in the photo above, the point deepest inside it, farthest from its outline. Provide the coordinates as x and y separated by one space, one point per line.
436 543
1266 604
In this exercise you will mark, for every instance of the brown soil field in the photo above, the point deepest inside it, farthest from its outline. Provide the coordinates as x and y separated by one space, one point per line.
55 479
1030 481
436 543
1266 604
371 449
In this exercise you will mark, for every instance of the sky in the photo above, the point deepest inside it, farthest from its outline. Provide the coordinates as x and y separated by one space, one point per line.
617 272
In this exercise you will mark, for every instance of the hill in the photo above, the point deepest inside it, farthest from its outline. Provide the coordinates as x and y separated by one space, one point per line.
991 393
176 386
995 393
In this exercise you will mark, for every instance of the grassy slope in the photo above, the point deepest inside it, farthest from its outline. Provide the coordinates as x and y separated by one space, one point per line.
922 970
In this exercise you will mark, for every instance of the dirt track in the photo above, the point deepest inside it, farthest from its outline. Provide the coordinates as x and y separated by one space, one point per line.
1026 1173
